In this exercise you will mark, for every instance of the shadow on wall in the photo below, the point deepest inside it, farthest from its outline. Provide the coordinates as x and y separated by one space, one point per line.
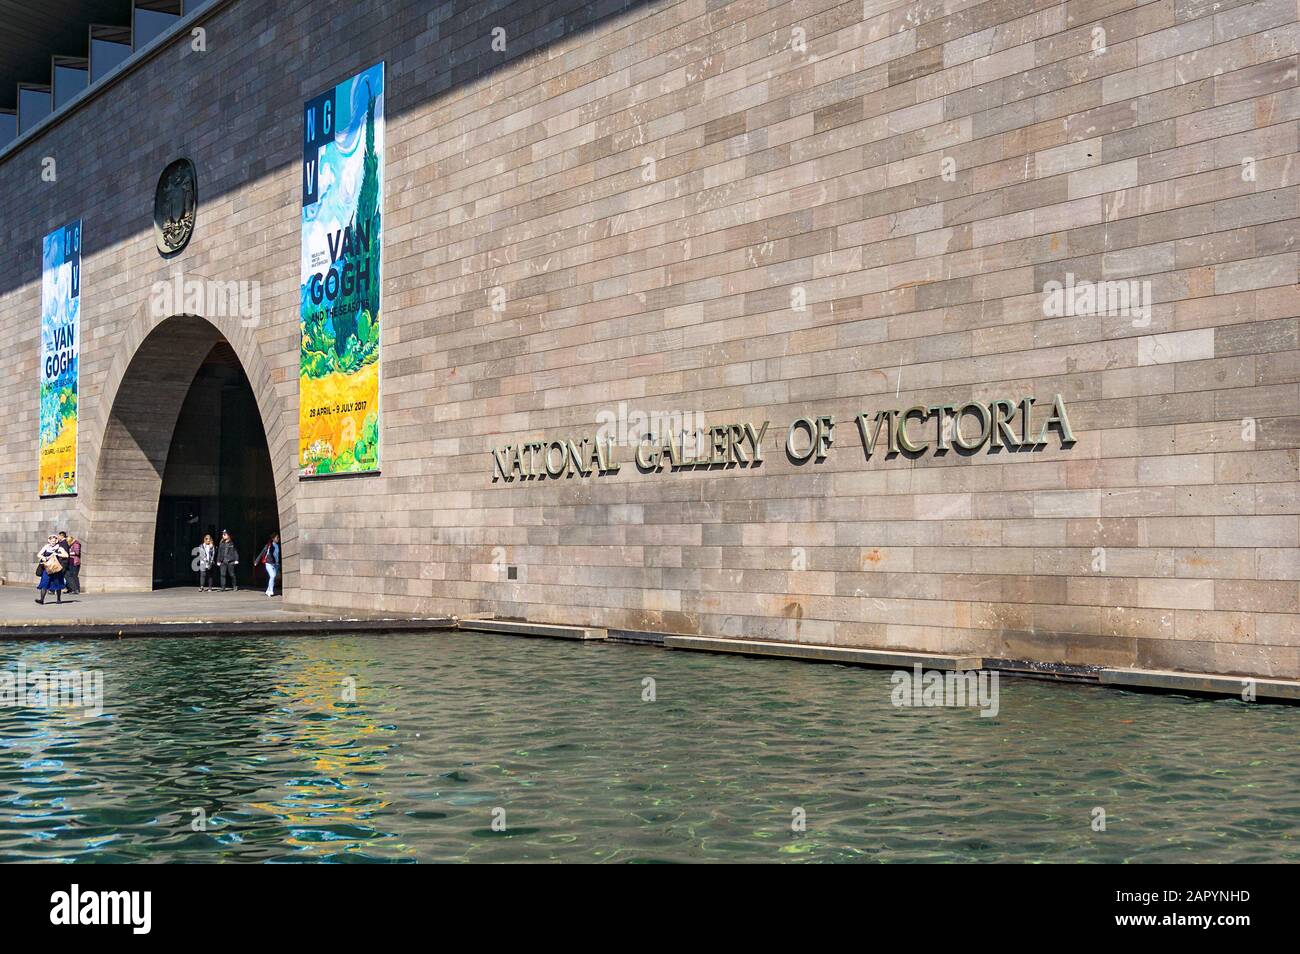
470 42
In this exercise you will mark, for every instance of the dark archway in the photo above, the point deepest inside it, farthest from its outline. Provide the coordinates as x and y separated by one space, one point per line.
218 473
161 369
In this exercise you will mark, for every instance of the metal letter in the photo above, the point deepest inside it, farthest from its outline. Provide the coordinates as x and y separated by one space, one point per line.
1061 422
904 441
1003 411
986 422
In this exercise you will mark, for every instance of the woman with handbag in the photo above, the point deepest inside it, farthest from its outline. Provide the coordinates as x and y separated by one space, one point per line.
269 560
50 562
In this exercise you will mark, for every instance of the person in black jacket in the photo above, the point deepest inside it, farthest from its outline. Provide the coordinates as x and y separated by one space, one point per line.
227 561
73 571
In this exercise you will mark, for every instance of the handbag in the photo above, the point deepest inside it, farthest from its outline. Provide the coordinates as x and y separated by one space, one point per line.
52 564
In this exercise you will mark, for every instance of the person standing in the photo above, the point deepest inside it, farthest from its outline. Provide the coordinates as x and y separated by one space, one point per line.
270 559
50 562
227 561
204 560
72 574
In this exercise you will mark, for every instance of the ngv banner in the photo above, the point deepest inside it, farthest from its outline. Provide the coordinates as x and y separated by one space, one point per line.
342 198
60 344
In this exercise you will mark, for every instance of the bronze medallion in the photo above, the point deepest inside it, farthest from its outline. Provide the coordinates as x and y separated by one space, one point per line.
175 206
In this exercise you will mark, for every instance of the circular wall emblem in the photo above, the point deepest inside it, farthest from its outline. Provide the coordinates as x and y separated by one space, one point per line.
175 205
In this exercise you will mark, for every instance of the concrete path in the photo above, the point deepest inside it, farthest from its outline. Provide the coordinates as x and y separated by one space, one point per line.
182 611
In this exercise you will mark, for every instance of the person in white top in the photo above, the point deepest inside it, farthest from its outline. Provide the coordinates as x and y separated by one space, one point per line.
205 555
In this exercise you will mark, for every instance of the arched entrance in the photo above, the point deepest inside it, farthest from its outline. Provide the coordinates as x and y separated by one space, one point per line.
218 473
184 453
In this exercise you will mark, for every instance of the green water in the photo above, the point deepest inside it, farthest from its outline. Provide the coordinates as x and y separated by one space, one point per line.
447 730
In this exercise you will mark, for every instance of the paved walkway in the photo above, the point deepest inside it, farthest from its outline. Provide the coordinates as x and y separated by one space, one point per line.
181 610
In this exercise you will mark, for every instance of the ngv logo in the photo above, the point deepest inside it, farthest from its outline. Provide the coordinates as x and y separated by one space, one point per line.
102 907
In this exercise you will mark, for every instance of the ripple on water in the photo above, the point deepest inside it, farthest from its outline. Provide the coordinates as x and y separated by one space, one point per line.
451 732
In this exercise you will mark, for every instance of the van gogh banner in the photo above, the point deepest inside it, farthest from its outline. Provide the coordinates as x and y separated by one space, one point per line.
342 192
60 344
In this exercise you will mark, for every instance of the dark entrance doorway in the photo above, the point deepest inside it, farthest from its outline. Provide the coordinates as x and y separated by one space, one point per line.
218 474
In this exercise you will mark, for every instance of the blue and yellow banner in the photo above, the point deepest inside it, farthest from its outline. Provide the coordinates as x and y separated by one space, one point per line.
342 199
60 345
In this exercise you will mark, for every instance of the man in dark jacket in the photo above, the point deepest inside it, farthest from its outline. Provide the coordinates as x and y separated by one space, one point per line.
227 561
73 572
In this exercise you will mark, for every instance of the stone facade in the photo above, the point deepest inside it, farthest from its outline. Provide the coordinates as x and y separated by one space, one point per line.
744 211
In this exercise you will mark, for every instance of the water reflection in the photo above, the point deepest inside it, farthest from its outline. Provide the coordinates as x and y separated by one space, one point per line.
259 737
